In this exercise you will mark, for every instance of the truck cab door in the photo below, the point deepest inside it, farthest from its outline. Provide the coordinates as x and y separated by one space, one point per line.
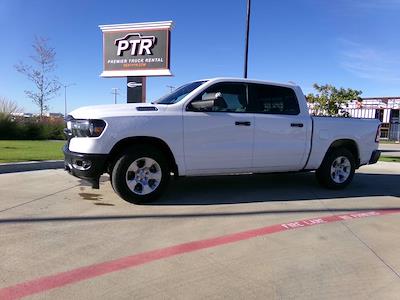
219 139
281 136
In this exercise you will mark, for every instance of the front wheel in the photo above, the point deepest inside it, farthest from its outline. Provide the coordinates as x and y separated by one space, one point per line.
140 175
337 169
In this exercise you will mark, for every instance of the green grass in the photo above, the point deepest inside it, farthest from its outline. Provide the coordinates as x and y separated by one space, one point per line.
390 159
16 151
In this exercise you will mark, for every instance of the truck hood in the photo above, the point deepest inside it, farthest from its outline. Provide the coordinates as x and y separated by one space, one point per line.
117 110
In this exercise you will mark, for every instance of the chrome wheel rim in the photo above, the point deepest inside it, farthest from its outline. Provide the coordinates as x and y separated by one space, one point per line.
143 176
340 169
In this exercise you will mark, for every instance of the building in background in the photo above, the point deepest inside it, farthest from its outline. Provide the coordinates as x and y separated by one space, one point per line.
386 109
31 115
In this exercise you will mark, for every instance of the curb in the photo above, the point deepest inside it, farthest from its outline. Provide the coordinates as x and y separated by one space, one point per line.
31 166
53 164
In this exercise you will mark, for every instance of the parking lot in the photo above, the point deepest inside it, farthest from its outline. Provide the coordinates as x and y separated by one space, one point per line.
262 236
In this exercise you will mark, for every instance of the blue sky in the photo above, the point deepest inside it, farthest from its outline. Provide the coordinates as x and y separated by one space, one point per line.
348 43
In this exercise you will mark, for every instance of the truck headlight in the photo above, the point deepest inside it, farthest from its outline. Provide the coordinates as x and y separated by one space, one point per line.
86 128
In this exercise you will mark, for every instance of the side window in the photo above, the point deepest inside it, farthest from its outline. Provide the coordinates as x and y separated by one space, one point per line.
232 97
269 99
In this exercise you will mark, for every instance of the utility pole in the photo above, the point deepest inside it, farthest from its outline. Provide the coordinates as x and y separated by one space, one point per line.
115 93
246 51
65 96
171 87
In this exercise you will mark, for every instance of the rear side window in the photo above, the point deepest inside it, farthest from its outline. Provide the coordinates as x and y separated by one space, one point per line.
269 99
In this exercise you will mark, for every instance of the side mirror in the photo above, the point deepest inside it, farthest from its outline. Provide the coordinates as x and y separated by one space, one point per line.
208 102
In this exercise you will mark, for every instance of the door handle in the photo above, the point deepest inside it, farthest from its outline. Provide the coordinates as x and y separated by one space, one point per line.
297 125
244 123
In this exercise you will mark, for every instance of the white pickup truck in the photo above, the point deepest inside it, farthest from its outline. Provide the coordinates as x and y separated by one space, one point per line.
214 127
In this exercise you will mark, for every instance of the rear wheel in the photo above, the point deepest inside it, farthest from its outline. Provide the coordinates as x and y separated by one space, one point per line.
337 169
140 174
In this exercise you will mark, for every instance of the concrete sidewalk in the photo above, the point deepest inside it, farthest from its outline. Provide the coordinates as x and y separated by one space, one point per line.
390 150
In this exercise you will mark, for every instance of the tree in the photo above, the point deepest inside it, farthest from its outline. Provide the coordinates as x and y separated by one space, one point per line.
330 101
41 74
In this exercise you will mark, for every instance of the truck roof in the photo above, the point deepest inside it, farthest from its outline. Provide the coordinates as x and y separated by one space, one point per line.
238 79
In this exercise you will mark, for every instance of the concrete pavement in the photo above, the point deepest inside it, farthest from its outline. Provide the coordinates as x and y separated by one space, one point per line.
51 222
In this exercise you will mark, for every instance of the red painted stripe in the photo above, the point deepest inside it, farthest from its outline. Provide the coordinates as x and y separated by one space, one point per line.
58 280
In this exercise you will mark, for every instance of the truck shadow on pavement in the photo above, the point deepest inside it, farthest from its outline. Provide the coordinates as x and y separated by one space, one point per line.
272 187
247 189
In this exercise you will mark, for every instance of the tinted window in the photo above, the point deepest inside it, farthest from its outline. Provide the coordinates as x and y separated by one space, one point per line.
270 99
233 97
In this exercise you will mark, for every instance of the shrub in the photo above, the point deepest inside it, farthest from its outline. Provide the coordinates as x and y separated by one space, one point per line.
8 128
8 106
32 130
19 128
53 128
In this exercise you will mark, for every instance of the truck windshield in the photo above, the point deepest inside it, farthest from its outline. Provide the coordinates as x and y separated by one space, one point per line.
179 93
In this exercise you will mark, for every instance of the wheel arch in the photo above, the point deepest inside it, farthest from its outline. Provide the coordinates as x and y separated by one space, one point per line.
158 143
348 144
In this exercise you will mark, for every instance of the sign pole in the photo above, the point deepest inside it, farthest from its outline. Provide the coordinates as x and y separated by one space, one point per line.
136 89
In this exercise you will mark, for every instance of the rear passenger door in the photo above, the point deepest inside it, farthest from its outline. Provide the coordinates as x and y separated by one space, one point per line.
280 131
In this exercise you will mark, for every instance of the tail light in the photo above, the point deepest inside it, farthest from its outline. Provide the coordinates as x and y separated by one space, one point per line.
378 134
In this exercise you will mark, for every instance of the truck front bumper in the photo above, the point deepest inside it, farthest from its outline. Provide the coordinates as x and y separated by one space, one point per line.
374 157
85 166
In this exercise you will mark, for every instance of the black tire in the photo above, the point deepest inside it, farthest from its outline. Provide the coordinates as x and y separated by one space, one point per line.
121 174
331 180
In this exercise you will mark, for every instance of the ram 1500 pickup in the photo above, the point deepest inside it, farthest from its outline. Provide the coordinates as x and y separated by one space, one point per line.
214 127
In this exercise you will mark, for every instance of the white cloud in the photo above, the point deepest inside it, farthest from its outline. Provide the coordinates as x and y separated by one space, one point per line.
370 62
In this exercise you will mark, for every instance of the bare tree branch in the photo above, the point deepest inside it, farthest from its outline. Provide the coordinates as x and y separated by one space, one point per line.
46 84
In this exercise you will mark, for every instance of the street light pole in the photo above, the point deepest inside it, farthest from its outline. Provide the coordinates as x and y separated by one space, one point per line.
246 51
65 101
65 96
